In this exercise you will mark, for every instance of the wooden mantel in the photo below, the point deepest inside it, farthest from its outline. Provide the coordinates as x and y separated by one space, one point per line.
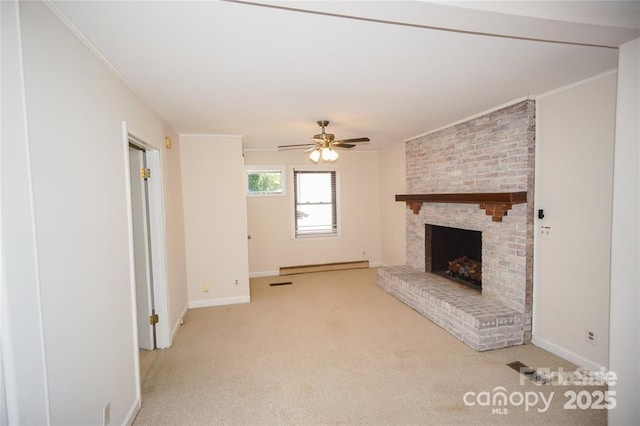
496 204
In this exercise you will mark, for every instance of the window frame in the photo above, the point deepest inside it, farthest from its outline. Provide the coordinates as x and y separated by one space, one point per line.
252 169
325 235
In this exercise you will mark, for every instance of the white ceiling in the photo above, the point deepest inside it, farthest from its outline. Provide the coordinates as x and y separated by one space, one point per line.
373 68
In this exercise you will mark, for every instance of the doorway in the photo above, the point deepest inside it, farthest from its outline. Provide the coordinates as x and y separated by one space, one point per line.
146 317
156 247
137 155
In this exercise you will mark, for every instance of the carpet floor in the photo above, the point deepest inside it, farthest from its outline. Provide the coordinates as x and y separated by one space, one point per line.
333 348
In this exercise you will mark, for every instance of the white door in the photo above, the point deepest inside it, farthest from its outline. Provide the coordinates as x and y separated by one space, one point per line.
139 207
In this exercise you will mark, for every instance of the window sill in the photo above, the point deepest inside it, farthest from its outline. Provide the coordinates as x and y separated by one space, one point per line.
265 195
317 237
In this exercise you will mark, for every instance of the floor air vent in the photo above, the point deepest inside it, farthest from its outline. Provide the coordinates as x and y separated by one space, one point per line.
284 283
529 372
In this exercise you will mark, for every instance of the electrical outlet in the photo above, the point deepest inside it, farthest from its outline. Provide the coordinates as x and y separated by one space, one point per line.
106 414
545 232
236 282
364 253
590 337
205 287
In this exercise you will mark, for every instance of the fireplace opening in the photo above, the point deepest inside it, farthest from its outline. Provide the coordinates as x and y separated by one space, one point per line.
455 254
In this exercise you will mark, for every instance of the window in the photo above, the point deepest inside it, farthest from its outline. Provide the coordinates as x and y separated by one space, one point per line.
265 181
315 203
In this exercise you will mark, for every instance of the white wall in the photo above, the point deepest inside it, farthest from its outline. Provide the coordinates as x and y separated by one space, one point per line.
271 218
215 215
393 218
174 236
23 352
624 346
75 107
574 172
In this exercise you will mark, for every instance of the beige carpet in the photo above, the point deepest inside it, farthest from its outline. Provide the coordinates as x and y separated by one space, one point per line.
335 349
146 358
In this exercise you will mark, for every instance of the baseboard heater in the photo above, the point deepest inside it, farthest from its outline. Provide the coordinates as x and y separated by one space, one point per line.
338 266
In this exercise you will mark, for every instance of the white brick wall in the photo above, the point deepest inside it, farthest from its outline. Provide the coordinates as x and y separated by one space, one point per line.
492 153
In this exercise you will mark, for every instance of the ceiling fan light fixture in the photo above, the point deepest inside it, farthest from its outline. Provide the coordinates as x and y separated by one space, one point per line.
323 144
326 154
315 155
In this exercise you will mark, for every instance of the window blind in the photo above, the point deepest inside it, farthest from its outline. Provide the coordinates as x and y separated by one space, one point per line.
315 202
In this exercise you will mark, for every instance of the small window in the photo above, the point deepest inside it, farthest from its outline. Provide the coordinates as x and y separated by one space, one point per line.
315 203
265 181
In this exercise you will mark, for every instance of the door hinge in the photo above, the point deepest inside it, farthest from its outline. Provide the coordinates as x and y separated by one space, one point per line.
153 319
145 173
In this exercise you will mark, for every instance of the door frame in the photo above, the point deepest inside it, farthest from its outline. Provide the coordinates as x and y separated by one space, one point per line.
156 235
142 246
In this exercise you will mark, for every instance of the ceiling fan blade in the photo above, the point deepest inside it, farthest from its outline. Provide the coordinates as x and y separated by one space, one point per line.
343 145
300 145
354 140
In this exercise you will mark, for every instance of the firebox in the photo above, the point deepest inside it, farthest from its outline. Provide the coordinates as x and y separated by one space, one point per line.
455 254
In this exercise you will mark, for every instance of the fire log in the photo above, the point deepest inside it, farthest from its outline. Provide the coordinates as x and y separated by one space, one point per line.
464 267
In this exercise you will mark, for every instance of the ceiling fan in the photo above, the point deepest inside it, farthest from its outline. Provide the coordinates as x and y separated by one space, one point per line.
324 144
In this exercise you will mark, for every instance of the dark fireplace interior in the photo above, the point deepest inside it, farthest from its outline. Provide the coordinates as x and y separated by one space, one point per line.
455 254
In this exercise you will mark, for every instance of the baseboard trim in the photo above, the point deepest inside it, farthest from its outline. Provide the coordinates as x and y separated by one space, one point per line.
176 327
263 274
277 273
323 267
570 356
221 301
133 412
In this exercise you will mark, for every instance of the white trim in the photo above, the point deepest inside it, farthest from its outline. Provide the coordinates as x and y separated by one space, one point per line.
316 237
576 84
564 353
221 301
158 249
264 274
133 412
177 326
375 264
471 117
132 275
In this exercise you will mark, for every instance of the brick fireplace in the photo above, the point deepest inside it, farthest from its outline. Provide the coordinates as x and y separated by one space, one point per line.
492 154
